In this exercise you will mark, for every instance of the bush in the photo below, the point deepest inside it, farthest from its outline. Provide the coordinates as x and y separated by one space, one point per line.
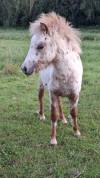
61 7
79 12
20 12
14 12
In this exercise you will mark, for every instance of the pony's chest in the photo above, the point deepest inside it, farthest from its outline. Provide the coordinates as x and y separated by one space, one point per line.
46 76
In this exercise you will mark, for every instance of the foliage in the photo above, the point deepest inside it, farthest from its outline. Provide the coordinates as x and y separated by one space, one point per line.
79 12
20 12
14 12
24 140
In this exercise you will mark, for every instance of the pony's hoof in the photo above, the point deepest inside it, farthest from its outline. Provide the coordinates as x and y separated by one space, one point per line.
53 141
37 112
77 133
64 121
42 117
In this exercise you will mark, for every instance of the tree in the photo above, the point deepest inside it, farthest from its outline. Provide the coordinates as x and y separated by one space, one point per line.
20 12
31 4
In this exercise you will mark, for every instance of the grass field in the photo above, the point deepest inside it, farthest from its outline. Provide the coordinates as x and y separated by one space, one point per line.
24 140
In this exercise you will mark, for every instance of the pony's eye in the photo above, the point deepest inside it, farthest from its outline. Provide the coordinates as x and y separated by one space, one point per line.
40 46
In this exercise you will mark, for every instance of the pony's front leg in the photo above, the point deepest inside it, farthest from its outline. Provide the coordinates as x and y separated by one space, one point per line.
73 112
54 117
41 105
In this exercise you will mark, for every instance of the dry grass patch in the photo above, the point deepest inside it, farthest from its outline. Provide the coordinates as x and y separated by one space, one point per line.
10 69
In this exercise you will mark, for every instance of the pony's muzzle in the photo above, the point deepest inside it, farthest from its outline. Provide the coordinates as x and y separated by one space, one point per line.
26 70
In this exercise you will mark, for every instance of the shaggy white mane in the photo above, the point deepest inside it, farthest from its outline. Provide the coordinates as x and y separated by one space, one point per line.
58 24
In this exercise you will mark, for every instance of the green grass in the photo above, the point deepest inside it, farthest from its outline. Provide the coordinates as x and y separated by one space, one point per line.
24 140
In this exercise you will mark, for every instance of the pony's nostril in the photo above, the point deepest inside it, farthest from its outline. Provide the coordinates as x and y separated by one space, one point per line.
24 69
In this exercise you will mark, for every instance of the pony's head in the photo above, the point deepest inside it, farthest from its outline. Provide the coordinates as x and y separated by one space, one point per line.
51 35
42 49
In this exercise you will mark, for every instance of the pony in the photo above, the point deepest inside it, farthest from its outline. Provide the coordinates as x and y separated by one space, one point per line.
54 52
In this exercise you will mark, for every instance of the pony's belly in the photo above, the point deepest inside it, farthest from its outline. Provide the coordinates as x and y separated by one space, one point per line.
62 90
65 90
66 87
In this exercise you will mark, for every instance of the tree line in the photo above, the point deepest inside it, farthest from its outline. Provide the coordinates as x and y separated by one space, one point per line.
20 12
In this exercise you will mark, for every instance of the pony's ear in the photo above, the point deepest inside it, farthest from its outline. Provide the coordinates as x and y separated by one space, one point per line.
44 28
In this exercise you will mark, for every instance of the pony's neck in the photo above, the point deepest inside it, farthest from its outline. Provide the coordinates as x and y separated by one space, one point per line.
61 59
63 48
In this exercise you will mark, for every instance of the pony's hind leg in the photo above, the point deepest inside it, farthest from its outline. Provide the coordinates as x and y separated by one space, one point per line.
41 105
61 114
73 112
